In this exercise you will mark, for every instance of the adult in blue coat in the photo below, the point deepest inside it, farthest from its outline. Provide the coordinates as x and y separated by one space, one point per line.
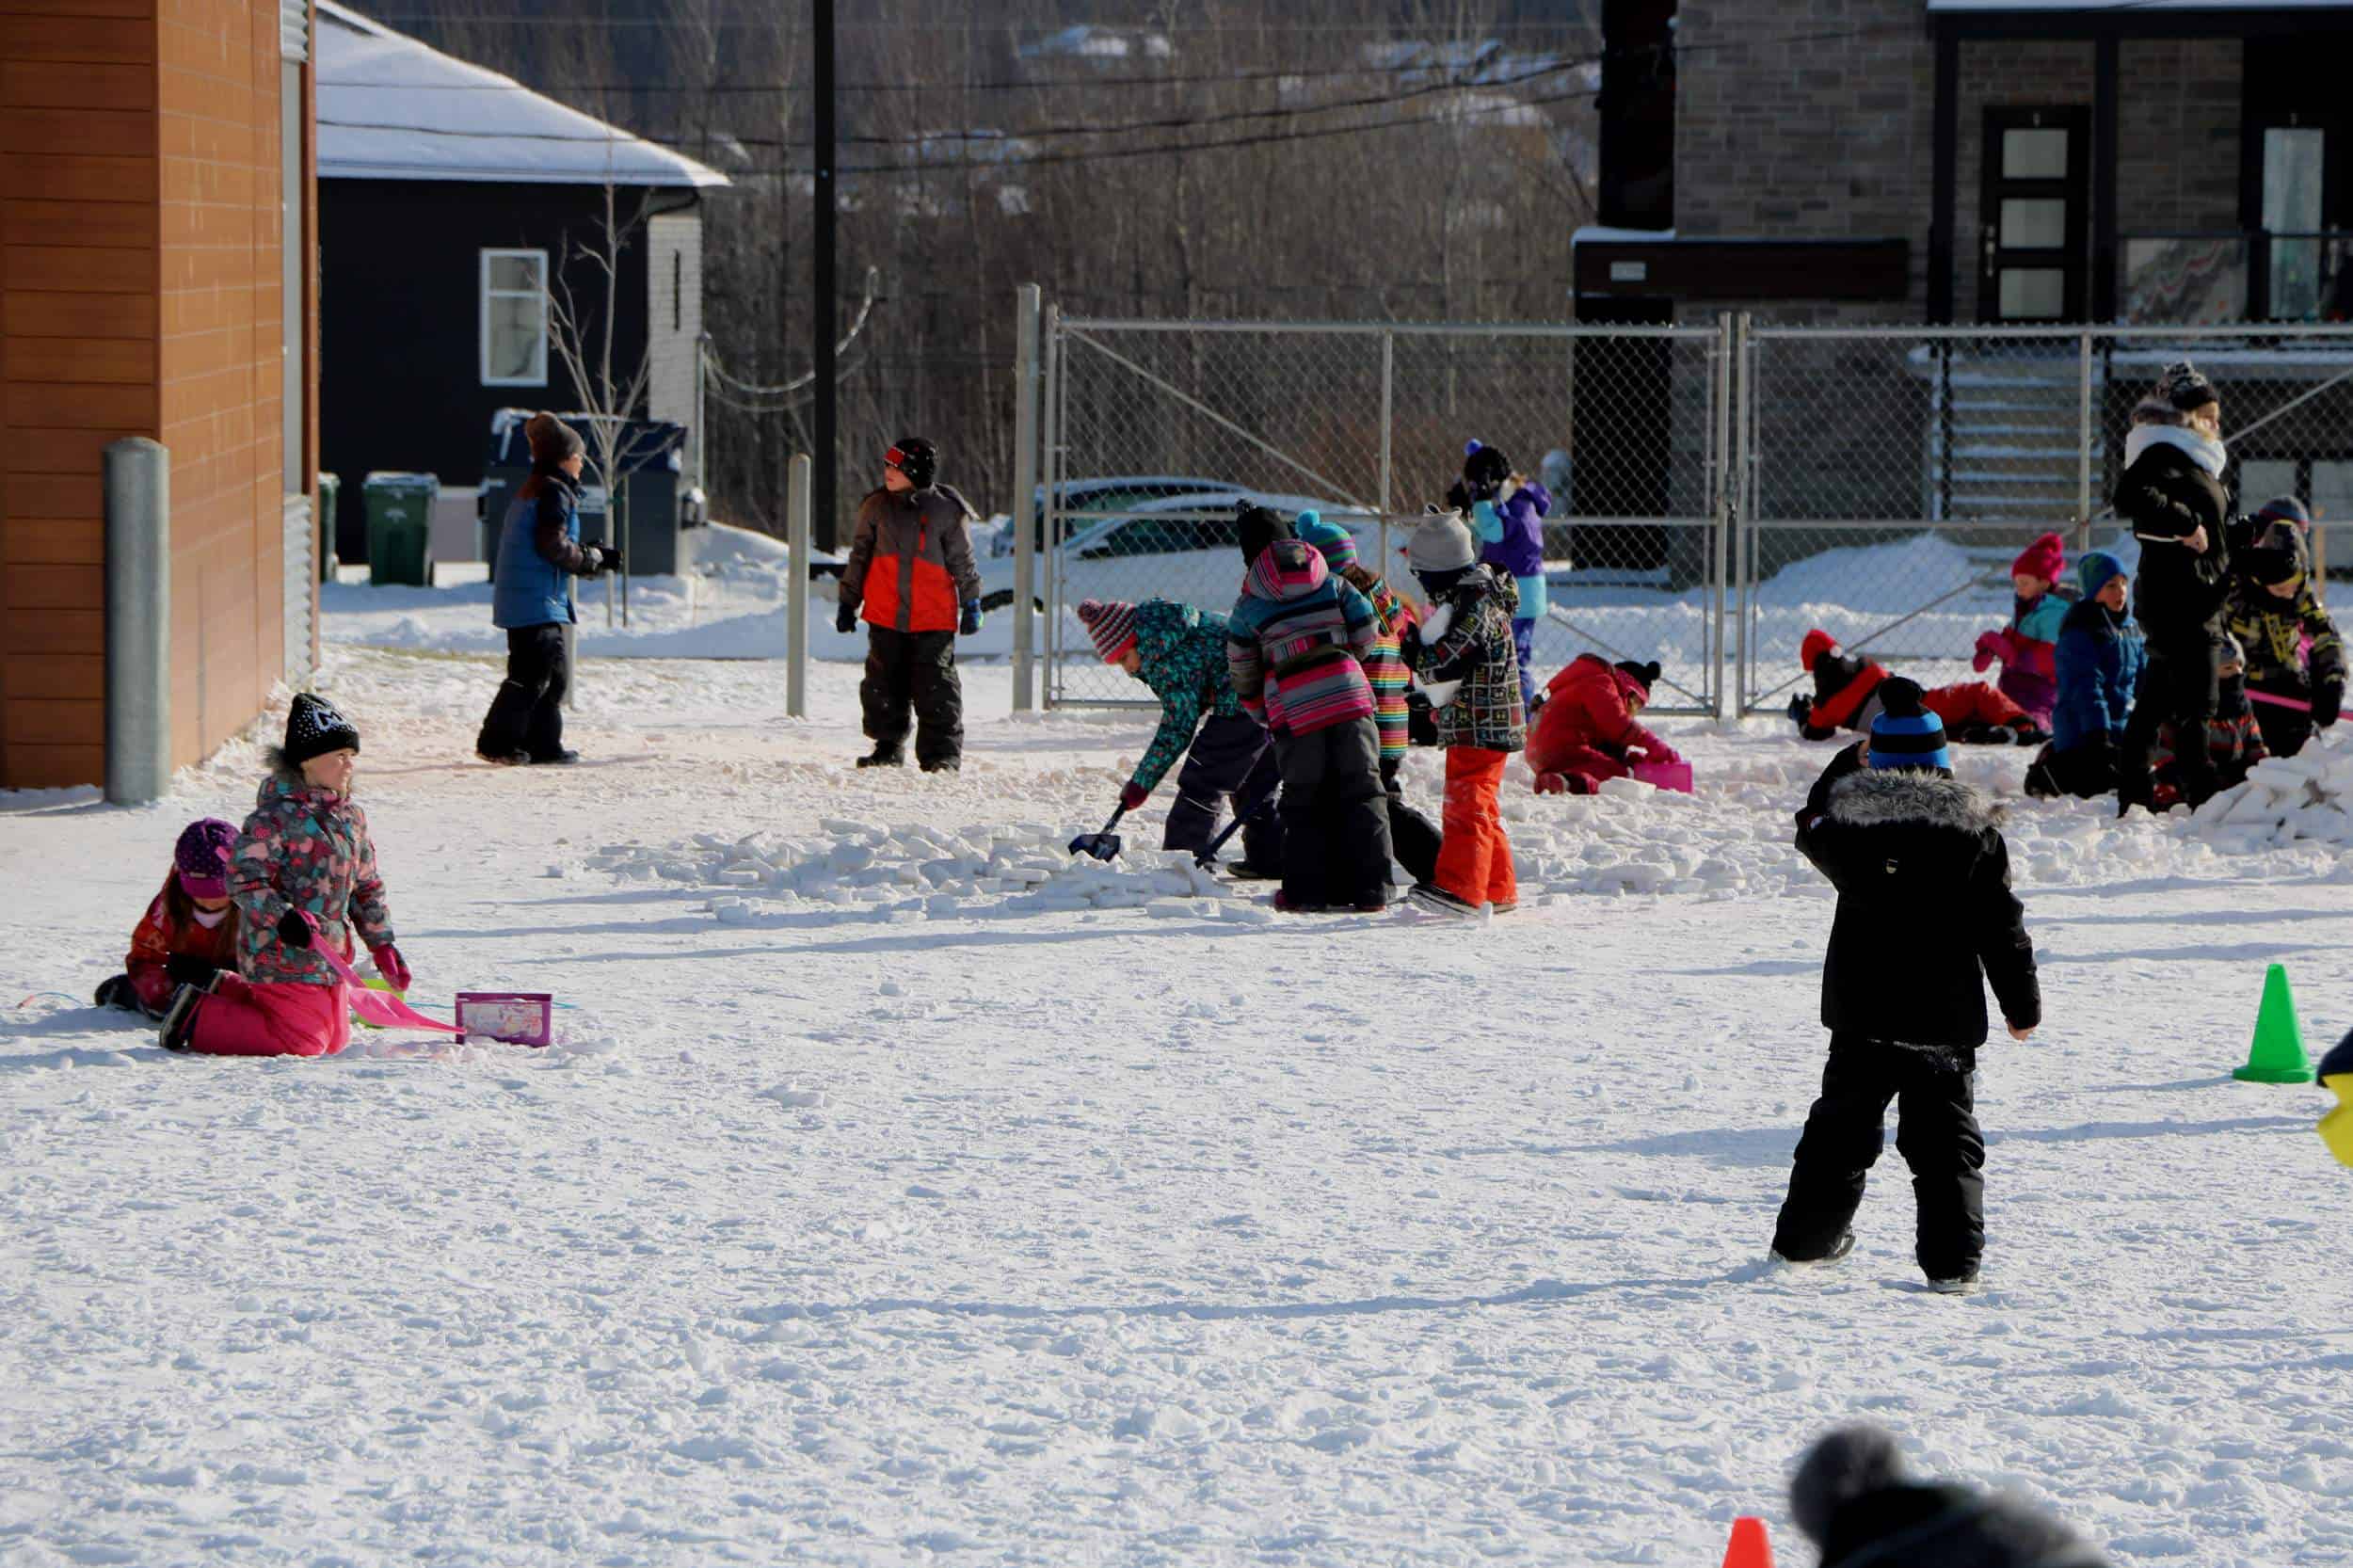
2100 660
539 554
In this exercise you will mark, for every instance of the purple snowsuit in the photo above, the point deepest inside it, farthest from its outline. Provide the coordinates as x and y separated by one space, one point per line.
1513 543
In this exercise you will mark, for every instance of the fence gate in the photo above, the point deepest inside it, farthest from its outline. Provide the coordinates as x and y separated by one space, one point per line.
1152 430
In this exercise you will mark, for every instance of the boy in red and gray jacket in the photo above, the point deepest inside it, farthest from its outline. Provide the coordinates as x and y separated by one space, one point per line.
910 572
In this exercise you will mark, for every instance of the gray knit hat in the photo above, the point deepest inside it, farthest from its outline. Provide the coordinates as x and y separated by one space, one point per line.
1442 543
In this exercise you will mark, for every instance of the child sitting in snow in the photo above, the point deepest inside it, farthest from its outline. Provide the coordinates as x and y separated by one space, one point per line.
1179 652
1466 666
1412 838
303 868
2233 744
2290 646
1587 730
1845 696
2100 657
2028 646
1926 918
1293 645
190 933
1506 511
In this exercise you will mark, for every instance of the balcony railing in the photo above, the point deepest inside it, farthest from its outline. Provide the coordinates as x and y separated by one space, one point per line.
2219 277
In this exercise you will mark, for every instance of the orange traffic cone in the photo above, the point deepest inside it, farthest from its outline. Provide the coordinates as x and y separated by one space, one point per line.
1749 1548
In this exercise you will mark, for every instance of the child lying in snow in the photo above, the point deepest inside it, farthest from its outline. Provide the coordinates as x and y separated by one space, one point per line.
1586 730
189 934
1845 696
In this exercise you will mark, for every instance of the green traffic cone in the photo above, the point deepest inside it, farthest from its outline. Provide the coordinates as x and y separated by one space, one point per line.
2278 1054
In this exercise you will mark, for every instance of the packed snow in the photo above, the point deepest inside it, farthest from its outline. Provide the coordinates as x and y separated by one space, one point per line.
900 1190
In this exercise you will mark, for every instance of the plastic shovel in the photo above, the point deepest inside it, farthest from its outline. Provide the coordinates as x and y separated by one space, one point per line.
1103 845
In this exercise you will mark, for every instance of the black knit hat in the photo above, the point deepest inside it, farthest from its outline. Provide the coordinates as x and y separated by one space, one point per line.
1646 673
314 728
1260 529
1850 1498
916 457
2185 387
1485 469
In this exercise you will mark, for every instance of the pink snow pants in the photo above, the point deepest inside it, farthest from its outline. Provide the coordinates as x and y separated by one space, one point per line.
281 1019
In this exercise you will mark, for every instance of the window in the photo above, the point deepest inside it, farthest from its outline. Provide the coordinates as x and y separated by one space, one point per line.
514 318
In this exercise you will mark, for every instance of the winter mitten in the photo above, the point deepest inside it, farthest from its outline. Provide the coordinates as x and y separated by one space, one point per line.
1133 795
1982 734
118 992
2328 698
391 964
1989 650
969 622
187 970
2025 732
608 558
1486 522
294 929
1801 711
845 617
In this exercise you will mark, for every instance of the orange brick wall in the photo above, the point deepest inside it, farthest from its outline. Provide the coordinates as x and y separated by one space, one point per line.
139 266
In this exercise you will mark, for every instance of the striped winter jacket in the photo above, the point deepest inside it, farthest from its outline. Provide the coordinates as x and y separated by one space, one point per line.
1470 667
1384 664
1295 640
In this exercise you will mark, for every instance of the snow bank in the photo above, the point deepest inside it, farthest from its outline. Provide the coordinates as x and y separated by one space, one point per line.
2307 798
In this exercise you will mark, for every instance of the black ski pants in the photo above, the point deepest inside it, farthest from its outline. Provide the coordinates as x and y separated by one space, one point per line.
1336 819
911 683
2284 729
2181 683
1412 837
1231 757
527 714
1936 1132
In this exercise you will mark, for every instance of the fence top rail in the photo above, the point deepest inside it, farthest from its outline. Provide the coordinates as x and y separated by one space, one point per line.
1379 329
2267 330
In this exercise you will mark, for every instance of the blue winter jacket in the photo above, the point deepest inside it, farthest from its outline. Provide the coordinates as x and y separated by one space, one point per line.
2100 656
538 554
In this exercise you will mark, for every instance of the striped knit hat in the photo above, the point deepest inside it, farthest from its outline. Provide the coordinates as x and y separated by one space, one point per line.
1112 625
1338 544
1906 734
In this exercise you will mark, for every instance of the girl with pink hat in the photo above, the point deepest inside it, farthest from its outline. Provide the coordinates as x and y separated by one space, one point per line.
190 933
2028 646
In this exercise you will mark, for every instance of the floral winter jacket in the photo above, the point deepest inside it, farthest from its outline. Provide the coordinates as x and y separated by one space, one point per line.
1468 664
304 848
1183 653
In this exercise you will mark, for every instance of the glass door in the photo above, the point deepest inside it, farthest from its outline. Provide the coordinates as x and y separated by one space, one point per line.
2033 221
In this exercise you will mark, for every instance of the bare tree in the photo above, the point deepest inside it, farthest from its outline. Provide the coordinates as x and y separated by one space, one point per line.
583 346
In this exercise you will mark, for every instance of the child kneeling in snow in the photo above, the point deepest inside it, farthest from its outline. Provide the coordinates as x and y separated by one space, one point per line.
189 934
303 868
1179 652
1469 666
1845 696
1586 730
2295 660
2028 646
2100 657
1925 909
1294 645
2233 744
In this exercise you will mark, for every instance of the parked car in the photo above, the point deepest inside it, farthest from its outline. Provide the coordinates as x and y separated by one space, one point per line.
1108 494
1180 547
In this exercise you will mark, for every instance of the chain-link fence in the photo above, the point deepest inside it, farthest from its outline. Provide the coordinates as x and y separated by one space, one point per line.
1889 475
1153 430
1717 491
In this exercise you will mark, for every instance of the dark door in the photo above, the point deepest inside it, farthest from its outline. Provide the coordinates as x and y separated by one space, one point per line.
2031 227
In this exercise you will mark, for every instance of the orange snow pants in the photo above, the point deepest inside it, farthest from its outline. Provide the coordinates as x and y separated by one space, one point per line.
1474 860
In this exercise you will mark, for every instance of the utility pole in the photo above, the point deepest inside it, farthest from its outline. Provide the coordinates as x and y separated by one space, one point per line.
823 503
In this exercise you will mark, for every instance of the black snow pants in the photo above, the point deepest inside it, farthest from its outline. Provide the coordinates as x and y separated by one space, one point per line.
1230 757
1936 1132
527 716
2284 729
911 682
1412 837
2181 683
1336 819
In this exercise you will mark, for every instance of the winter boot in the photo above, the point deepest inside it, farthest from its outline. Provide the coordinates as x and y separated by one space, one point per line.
884 756
2029 733
946 765
554 759
172 1034
1438 900
1962 1283
502 758
1248 873
1284 904
1838 1249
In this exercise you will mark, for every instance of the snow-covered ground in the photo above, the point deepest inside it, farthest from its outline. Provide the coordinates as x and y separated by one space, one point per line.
860 1219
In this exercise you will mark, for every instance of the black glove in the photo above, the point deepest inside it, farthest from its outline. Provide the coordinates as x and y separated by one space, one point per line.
845 617
608 558
1801 711
185 968
2327 699
118 992
294 929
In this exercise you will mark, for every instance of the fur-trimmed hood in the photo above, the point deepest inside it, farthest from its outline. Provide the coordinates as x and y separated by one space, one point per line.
1893 797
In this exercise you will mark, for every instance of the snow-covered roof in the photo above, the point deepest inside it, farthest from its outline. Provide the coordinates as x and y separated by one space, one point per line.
393 108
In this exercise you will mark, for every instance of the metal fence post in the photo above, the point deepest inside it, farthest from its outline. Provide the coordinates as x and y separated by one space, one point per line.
139 620
1025 495
1025 569
2087 432
1389 405
1744 526
796 533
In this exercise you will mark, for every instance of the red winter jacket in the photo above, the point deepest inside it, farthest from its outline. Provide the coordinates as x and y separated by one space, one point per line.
160 937
1584 726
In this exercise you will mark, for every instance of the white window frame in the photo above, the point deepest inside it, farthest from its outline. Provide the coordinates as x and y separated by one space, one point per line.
538 377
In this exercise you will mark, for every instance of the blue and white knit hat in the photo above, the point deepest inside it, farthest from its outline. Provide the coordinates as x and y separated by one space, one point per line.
1906 734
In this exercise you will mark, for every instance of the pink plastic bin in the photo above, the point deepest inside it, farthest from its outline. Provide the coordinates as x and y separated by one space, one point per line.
518 1018
1665 776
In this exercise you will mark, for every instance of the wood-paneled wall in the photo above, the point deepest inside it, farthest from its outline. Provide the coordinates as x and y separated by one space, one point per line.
139 251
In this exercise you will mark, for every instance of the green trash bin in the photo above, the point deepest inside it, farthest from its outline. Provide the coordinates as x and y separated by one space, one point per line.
322 547
400 527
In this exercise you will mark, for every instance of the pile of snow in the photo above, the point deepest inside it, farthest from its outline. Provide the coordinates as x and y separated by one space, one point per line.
912 871
2286 800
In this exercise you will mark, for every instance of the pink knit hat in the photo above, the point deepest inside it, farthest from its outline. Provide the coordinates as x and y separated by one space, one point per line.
2045 558
1112 625
201 860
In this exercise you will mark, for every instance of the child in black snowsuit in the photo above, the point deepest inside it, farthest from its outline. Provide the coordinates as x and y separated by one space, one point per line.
2294 658
1925 907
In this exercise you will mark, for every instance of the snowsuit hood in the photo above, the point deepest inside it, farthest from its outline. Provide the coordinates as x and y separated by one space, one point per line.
1287 569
